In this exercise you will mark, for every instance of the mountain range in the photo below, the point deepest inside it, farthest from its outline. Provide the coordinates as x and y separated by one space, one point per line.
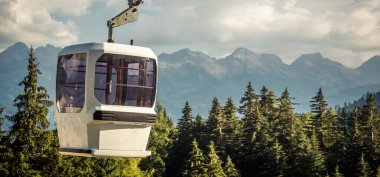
196 77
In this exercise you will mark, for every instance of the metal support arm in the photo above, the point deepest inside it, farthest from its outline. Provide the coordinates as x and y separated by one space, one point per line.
127 16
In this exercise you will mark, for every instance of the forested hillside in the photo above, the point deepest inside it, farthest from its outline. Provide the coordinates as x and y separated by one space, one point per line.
361 101
267 139
197 77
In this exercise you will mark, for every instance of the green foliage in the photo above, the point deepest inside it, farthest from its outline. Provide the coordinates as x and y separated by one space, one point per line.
269 140
182 143
363 169
229 168
285 125
215 125
318 108
29 144
195 165
214 166
200 131
316 156
232 126
160 142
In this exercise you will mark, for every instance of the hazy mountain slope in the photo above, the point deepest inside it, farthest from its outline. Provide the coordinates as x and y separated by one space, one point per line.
371 70
361 101
197 77
13 68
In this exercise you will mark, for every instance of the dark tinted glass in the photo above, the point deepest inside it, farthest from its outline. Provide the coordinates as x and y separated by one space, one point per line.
71 74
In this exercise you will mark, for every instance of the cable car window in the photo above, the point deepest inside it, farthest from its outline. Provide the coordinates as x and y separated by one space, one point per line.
125 80
71 74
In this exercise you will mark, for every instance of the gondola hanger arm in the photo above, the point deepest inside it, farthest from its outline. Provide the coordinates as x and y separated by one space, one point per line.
127 16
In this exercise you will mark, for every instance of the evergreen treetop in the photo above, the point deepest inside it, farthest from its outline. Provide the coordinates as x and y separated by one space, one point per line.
229 168
29 141
214 167
195 165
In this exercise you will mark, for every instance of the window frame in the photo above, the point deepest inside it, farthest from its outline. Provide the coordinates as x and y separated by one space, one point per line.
122 78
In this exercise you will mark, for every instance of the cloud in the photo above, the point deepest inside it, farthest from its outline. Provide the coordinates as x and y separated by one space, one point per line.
33 22
344 30
341 29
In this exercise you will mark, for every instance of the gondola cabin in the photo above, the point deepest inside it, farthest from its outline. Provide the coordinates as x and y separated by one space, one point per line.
105 97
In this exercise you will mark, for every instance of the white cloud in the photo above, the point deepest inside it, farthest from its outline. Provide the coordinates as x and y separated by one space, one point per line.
32 21
285 27
343 30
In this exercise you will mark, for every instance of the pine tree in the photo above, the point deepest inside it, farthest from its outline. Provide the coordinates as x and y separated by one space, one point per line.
378 172
248 100
333 140
199 131
363 169
267 102
214 167
185 124
215 123
286 120
307 123
182 143
280 158
29 139
371 129
318 158
318 108
253 119
299 161
232 126
229 168
354 141
160 143
195 165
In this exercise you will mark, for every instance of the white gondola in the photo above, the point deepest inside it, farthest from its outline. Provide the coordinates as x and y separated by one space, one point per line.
105 97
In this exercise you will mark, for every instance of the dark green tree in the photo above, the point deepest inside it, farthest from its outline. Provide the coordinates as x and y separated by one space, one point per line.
229 168
318 108
215 123
182 143
253 119
199 131
29 140
317 157
334 142
285 125
280 159
267 103
354 141
371 129
363 169
248 100
195 165
232 126
160 143
307 123
214 166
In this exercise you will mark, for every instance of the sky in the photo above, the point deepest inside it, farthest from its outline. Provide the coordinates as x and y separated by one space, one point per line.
347 31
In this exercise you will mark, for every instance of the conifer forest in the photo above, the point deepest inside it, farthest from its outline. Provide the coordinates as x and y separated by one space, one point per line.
261 135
